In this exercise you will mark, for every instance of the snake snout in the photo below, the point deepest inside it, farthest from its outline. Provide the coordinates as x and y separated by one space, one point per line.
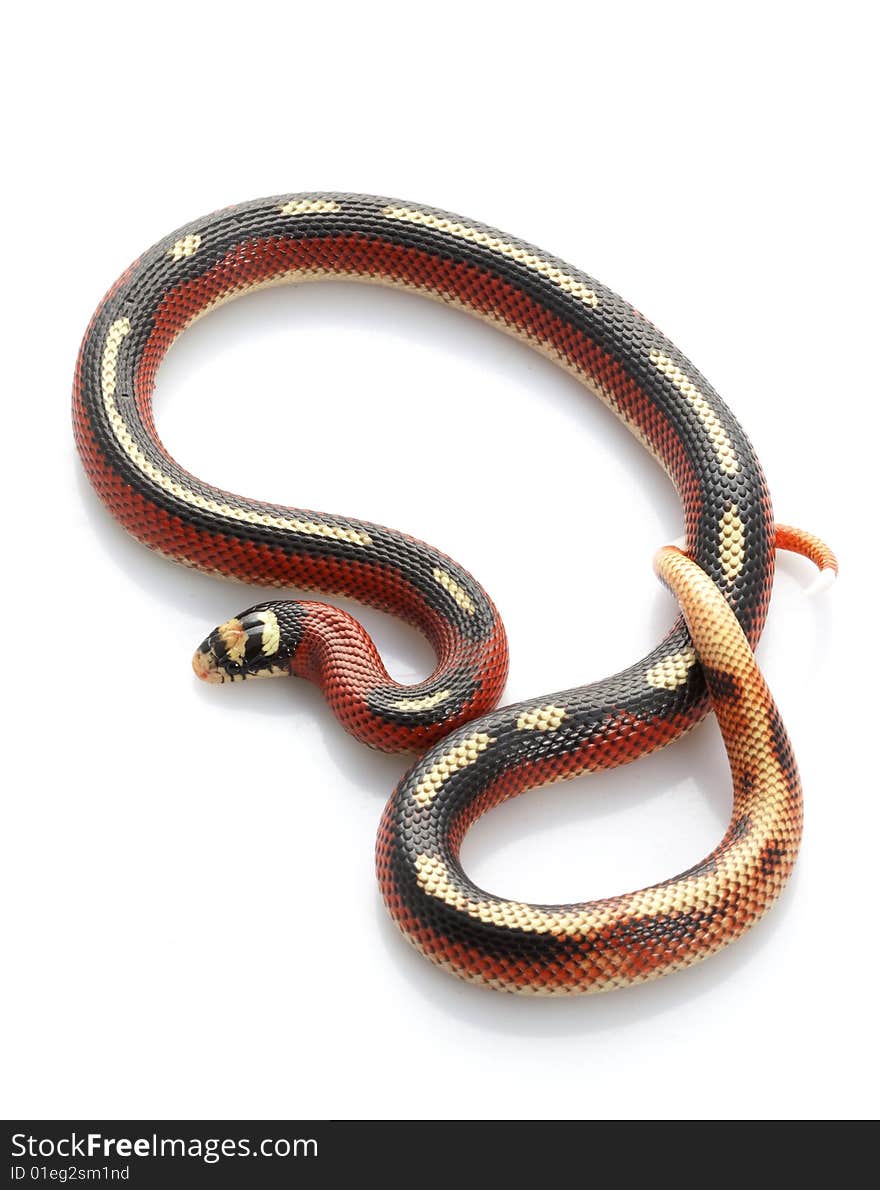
204 663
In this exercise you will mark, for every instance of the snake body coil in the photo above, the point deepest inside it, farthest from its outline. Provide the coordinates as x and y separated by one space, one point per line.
474 763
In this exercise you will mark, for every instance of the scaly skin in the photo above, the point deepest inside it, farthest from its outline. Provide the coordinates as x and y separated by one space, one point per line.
556 309
617 941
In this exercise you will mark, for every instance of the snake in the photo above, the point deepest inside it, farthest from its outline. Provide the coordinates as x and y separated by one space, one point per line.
470 757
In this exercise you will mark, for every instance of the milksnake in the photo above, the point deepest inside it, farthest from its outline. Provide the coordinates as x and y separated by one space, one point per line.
471 757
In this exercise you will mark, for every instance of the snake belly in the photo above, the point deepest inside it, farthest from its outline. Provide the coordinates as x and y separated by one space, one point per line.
476 759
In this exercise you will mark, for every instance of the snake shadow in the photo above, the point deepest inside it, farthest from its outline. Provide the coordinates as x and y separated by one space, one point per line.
585 800
551 1017
590 800
206 601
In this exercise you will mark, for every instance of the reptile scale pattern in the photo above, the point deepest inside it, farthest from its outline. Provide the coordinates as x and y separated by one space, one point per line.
471 757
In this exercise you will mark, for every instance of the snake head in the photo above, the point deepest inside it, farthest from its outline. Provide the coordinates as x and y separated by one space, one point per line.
253 644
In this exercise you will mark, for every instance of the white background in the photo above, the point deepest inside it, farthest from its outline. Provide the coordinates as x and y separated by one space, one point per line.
192 925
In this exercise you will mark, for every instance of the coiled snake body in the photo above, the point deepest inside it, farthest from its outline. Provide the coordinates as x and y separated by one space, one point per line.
475 757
